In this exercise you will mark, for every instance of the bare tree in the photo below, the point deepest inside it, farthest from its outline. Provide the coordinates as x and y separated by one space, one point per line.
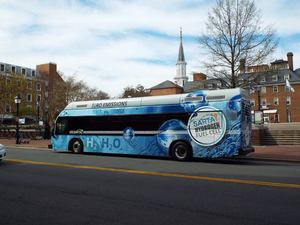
234 32
80 91
138 91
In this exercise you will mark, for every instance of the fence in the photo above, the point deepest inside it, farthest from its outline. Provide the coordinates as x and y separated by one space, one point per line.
31 134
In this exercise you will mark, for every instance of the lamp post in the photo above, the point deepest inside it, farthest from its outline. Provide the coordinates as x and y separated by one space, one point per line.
38 112
260 111
17 101
288 120
259 98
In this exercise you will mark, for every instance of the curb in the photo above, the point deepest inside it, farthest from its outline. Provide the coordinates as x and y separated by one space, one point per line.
270 159
27 147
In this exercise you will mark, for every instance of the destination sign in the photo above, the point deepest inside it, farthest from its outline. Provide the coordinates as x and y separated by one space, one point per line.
109 104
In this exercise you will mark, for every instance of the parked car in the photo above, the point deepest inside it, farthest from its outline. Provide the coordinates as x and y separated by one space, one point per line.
2 152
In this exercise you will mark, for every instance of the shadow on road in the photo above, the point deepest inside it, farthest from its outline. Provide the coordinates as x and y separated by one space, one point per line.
230 161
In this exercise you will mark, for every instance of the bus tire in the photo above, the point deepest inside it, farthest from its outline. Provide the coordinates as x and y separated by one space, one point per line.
76 146
181 151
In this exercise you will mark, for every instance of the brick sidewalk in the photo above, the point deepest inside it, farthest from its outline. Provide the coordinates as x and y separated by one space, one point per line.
281 153
274 152
32 143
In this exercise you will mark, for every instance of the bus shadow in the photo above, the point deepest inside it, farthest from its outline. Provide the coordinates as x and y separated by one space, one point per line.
230 161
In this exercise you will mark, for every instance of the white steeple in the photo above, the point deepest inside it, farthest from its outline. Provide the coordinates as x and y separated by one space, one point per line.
180 77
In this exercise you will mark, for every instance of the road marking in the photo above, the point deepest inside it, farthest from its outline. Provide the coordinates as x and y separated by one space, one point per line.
161 174
28 147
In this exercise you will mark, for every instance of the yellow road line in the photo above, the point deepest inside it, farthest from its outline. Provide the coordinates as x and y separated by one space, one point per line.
141 172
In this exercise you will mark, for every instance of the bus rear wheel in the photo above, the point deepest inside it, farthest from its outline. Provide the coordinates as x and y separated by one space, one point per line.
181 151
76 146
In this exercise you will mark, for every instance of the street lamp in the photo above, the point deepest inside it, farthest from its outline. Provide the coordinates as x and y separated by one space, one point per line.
38 112
258 88
258 113
17 101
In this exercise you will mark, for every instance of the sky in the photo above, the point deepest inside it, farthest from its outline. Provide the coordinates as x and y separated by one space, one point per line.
111 44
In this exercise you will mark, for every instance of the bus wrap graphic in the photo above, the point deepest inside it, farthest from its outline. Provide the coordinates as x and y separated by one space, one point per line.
207 126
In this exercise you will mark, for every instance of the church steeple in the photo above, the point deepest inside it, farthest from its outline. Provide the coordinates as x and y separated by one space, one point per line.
181 77
180 53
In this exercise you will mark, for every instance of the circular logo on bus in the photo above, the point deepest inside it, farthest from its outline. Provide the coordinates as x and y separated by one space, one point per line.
128 133
207 126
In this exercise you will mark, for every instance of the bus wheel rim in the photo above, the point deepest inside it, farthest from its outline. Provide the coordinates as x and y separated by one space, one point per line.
76 146
181 152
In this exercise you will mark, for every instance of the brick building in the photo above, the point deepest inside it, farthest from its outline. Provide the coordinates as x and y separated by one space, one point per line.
269 93
38 89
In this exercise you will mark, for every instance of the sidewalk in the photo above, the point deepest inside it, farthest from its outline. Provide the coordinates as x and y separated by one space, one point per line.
33 143
278 153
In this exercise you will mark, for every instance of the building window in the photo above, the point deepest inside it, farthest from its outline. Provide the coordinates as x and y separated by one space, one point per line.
274 78
13 69
29 98
7 108
2 67
275 89
263 102
38 86
288 100
263 79
23 71
275 101
38 98
263 90
286 76
29 85
33 73
266 119
210 86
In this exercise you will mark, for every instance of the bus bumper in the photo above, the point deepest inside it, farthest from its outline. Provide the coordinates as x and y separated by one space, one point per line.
246 151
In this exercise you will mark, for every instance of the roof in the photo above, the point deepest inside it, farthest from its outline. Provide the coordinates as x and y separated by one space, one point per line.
294 76
198 85
297 71
29 72
193 85
165 84
279 61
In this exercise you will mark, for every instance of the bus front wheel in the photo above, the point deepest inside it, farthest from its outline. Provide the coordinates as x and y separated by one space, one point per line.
181 151
76 146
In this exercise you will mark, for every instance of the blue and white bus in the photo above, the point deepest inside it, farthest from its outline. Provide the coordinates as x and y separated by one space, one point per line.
205 123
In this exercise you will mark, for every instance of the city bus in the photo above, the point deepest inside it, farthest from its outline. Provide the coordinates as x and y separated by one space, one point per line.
204 124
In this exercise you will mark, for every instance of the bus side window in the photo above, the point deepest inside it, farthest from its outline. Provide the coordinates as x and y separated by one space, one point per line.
61 127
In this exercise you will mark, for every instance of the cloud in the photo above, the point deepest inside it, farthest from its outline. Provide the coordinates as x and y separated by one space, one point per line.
116 43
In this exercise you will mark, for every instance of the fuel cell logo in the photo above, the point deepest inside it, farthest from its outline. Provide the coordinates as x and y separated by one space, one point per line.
207 126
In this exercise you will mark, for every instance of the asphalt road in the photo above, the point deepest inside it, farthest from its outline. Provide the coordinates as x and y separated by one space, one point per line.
42 187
